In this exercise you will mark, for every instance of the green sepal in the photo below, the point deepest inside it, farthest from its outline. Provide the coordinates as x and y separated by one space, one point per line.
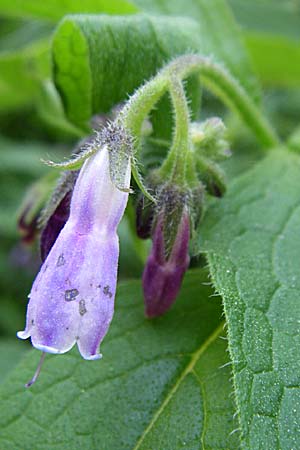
173 202
77 160
140 182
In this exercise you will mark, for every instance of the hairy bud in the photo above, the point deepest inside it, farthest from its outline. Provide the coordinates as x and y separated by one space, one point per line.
163 274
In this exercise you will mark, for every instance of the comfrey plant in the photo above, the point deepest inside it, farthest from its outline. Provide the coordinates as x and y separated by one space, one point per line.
72 297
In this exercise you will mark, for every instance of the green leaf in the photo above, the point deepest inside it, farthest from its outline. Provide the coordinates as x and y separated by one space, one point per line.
99 60
160 384
113 56
55 9
10 354
252 243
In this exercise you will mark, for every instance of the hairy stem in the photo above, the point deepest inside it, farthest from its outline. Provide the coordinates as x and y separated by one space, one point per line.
175 162
215 77
221 82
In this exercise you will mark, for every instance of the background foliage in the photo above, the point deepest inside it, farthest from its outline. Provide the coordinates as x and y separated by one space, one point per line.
169 383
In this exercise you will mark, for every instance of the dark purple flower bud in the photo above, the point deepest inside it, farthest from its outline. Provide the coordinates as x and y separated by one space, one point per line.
54 225
163 275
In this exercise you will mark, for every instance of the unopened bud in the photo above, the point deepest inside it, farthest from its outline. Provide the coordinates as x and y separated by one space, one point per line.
209 137
144 217
54 225
163 274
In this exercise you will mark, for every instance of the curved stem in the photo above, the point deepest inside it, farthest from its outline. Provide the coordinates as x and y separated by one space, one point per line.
140 104
228 89
175 162
218 79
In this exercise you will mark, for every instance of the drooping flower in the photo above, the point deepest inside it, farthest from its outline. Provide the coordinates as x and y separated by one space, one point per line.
163 273
72 297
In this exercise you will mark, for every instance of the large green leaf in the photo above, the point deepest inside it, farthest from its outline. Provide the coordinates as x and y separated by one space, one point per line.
253 247
55 9
99 60
160 384
10 354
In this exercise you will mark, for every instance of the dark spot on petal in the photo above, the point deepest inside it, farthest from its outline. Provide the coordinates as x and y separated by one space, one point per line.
61 260
45 268
99 286
67 328
82 308
106 291
71 294
32 321
77 338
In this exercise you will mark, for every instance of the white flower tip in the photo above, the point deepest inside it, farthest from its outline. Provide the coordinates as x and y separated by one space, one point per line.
92 357
45 348
23 334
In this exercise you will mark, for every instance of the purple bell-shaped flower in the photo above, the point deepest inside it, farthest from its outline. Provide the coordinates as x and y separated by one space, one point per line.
72 297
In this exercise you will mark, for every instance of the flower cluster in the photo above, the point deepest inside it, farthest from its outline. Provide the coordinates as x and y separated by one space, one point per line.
72 297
